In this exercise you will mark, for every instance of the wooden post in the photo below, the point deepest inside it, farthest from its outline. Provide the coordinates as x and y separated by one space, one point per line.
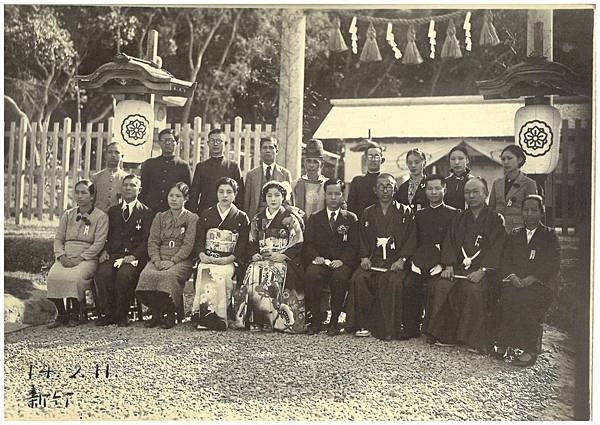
88 151
32 147
99 146
249 161
539 32
291 90
11 163
66 158
41 185
237 140
77 154
52 203
197 140
20 177
564 179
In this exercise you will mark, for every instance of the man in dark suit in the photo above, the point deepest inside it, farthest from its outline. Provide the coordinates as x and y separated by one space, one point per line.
162 172
125 254
203 191
329 237
361 193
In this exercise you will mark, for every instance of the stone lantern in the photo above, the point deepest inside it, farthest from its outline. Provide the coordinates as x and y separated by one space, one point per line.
143 91
538 123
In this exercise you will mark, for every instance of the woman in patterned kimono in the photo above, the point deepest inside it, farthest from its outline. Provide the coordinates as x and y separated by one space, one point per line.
221 241
272 294
79 239
170 245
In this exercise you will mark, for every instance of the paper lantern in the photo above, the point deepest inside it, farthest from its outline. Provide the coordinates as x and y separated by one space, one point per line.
133 127
537 132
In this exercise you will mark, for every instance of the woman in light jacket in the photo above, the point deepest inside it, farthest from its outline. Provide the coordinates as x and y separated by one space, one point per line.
508 192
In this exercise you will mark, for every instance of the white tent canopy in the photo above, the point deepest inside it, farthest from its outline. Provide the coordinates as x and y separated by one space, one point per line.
422 117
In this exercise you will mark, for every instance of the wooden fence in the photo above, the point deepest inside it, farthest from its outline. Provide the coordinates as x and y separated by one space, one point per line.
568 188
42 164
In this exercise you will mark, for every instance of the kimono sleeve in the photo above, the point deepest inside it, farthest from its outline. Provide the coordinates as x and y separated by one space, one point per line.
507 265
364 246
495 243
449 254
241 247
294 249
552 259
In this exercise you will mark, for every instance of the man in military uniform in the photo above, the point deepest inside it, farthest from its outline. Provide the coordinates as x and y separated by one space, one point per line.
162 172
108 181
361 188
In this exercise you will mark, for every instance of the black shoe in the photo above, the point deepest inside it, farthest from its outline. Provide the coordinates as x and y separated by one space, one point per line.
123 323
153 322
525 363
59 321
103 321
169 321
313 330
333 330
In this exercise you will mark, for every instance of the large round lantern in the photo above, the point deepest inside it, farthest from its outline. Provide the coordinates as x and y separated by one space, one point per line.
537 132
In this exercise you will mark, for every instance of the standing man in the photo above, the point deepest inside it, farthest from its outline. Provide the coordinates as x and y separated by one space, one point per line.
329 248
427 236
125 254
361 188
309 191
203 191
459 308
162 172
375 296
267 170
109 180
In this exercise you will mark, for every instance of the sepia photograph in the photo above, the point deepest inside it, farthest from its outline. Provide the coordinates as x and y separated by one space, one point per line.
300 212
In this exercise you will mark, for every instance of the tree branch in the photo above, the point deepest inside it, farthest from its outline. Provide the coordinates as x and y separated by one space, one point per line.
102 114
236 21
381 79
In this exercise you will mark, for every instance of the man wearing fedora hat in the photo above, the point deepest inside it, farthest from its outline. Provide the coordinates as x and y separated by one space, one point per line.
309 194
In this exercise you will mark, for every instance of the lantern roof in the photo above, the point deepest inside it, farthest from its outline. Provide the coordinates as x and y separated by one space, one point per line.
536 76
130 75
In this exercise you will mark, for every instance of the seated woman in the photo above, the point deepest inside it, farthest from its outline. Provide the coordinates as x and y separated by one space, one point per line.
530 265
221 240
508 192
170 245
79 239
272 294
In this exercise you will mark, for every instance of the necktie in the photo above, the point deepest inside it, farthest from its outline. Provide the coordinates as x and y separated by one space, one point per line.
332 221
268 173
126 213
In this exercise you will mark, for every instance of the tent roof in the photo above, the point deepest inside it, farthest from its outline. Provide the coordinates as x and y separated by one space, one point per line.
444 116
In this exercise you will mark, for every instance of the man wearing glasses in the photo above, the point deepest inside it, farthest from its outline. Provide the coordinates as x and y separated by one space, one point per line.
162 172
361 188
375 295
203 191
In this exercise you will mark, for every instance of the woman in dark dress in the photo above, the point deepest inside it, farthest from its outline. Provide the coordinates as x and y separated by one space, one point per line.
459 175
530 265
221 241
412 191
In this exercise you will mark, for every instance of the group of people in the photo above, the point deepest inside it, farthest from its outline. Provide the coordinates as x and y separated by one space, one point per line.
429 256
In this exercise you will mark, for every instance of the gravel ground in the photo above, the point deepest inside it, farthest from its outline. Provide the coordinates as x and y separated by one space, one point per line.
186 374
